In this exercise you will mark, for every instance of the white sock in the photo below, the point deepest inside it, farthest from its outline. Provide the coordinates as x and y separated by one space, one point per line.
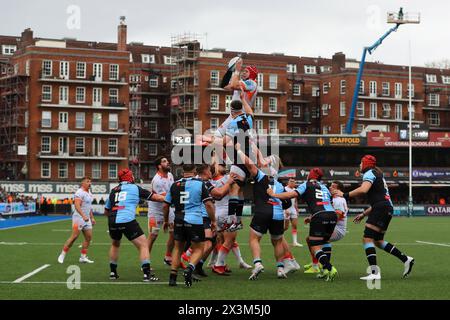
237 253
222 255
213 259
294 237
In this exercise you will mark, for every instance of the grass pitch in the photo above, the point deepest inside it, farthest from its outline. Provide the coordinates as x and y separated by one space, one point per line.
25 249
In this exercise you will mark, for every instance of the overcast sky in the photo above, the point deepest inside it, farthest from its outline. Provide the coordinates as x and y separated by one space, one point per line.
294 27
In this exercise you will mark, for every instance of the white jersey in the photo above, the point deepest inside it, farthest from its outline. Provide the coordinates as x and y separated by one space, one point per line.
220 132
222 204
86 202
340 203
292 208
159 185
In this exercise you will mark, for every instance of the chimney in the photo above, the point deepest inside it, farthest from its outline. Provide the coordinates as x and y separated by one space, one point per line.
122 35
338 62
26 38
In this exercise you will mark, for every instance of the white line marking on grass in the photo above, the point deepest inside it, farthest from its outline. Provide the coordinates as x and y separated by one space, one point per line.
61 230
435 244
34 224
89 283
19 280
13 243
126 243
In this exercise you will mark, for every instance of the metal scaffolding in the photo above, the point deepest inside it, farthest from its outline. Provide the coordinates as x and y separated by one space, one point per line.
135 131
13 122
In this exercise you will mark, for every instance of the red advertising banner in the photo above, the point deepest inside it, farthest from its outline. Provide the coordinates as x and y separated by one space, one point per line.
391 139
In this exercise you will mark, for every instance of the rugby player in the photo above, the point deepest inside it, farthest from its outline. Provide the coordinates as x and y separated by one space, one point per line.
322 218
379 216
341 208
187 195
291 214
82 221
161 183
120 208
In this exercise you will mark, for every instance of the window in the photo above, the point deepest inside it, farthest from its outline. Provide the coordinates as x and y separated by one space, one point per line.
113 121
173 84
361 87
153 104
343 86
214 124
153 149
326 87
46 119
386 110
291 68
46 68
148 58
433 99
81 70
64 69
135 78
152 126
80 96
325 108
360 109
259 126
214 78
80 122
359 128
373 88
46 93
373 110
112 170
398 90
411 91
446 79
398 111
79 170
62 170
431 78
324 69
326 129
315 91
112 146
8 49
153 83
296 89
113 72
413 111
228 100
296 111
79 145
273 104
310 69
273 125
46 144
385 89
343 128
169 60
296 130
214 102
433 119
260 81
96 170
64 95
273 81
259 105
45 169
113 96
342 109
97 71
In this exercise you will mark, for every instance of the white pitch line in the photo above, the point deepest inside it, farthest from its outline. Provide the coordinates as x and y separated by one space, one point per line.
19 280
435 244
33 224
89 283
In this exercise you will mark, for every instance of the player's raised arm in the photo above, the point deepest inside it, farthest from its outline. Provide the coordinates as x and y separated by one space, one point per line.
282 196
247 108
219 193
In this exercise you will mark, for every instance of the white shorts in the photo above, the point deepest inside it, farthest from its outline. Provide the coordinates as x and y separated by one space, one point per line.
338 234
156 221
223 218
290 214
79 224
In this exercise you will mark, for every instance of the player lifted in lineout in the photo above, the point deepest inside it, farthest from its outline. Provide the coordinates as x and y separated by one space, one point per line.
379 216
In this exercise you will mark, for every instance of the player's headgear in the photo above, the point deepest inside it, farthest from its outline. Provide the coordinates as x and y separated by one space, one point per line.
368 162
253 72
126 175
315 174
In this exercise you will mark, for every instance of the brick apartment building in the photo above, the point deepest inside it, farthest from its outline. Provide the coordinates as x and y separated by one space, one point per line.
87 108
